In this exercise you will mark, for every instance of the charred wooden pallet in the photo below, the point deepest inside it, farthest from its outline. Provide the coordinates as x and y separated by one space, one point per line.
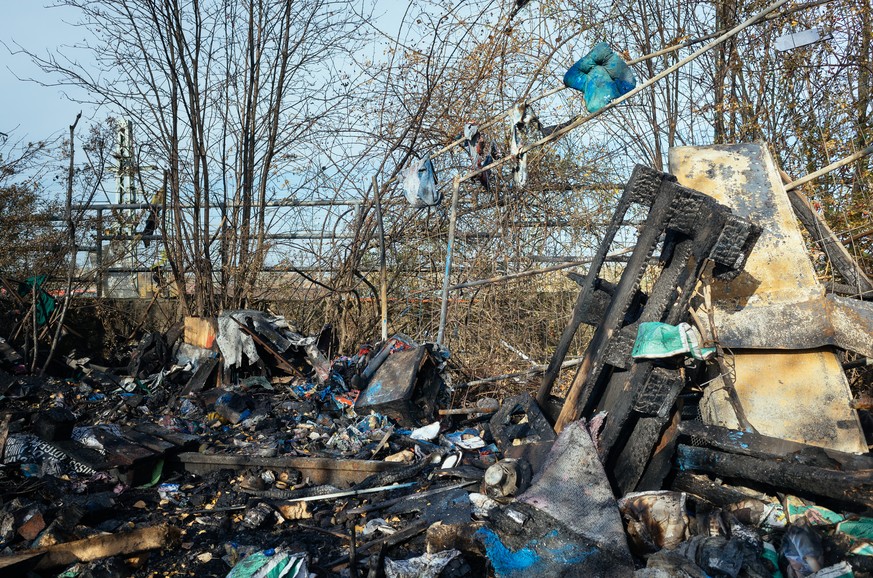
691 230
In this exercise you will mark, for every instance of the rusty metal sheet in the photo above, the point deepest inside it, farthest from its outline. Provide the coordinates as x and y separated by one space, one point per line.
826 320
791 394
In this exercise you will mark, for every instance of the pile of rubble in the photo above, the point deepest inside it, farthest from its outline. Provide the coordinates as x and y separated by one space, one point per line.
238 447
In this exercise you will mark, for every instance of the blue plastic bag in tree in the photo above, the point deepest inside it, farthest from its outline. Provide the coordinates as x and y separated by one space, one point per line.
420 183
599 89
620 73
601 75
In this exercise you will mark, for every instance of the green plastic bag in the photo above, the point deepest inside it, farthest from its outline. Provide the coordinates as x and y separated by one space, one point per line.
271 564
656 340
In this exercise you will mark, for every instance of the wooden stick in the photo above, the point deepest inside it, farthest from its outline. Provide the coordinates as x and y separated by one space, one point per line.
391 502
522 274
416 528
34 296
821 233
383 270
831 167
324 531
468 410
351 493
383 441
353 553
71 252
533 370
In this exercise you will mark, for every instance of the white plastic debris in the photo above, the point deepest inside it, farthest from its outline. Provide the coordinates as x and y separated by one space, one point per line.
424 566
482 504
798 39
426 433
377 525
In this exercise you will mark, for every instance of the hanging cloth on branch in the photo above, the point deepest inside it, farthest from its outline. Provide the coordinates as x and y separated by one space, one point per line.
45 303
481 153
525 128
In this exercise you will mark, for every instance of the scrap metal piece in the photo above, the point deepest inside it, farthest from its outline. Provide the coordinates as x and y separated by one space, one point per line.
506 479
808 323
404 388
521 431
774 306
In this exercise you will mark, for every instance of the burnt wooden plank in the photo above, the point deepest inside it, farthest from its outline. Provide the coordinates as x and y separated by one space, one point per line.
176 438
579 397
851 487
668 302
82 454
318 470
198 381
120 452
642 188
633 458
661 462
151 442
701 486
761 446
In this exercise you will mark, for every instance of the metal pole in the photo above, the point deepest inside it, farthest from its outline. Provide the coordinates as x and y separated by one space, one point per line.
383 270
453 217
100 253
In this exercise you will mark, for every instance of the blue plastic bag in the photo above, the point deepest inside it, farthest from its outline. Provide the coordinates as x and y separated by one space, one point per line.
420 183
601 75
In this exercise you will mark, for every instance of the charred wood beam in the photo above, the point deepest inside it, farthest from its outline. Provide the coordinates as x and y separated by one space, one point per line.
821 233
766 447
848 487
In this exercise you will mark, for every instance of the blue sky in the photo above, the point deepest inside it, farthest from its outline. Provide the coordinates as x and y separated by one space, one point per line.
29 111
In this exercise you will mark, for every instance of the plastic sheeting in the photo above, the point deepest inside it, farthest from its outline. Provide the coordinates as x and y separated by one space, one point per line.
29 449
566 524
271 564
237 346
425 566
